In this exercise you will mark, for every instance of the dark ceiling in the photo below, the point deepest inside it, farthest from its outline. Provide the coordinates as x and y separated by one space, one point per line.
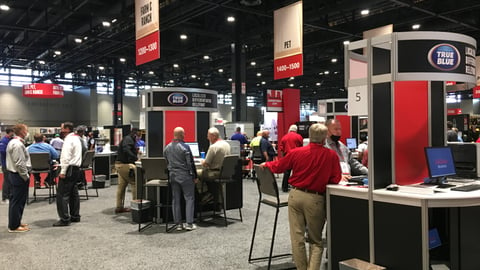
32 30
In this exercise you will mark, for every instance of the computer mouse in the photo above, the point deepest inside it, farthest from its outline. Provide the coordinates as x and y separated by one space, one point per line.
392 187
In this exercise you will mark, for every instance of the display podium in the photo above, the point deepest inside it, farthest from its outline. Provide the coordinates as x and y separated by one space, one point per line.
398 81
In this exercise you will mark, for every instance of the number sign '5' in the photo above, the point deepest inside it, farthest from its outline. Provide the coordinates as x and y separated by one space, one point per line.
357 100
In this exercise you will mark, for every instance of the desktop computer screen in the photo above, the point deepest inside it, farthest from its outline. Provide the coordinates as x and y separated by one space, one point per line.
194 148
352 143
440 162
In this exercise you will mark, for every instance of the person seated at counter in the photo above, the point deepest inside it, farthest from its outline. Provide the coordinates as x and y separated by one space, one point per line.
212 163
40 146
125 166
350 166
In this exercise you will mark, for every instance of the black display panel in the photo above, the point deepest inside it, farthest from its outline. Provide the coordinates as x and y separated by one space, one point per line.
184 99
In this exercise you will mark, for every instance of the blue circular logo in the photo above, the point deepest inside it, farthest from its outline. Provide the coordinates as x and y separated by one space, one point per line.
177 99
444 57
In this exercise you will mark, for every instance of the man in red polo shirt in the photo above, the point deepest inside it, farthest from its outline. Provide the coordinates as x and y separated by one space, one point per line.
314 166
289 141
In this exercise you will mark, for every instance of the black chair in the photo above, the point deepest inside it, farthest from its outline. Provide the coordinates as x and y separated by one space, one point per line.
227 171
87 165
155 174
268 195
41 164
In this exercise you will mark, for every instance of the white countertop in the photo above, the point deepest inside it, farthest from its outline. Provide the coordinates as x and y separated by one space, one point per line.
446 198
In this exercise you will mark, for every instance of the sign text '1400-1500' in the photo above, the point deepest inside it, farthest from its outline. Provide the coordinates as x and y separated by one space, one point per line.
290 66
149 48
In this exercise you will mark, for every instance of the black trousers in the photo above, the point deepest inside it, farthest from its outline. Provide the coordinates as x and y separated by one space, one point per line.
68 200
6 186
18 199
286 175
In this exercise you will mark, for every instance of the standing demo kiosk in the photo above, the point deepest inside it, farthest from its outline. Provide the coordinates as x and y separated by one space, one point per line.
401 80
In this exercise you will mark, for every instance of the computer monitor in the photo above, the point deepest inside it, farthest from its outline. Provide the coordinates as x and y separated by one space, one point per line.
440 164
194 148
352 143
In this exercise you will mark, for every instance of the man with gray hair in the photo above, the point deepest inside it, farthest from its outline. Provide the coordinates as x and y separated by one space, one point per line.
213 161
289 141
314 167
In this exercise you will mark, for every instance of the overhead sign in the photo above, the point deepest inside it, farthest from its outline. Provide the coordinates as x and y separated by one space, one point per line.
147 34
476 92
43 90
148 48
454 111
146 17
274 101
288 41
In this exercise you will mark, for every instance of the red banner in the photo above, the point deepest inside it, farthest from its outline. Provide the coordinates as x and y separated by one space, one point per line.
274 101
290 66
454 111
43 90
148 48
476 92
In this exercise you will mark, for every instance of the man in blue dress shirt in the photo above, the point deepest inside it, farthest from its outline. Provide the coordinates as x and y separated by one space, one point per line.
40 146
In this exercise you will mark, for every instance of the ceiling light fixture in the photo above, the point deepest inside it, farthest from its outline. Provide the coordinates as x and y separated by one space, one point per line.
101 67
220 70
57 52
114 20
78 40
83 74
326 72
264 82
171 81
346 42
193 76
207 84
175 66
123 60
106 23
364 12
230 19
318 84
229 79
41 62
259 74
151 72
4 7
334 60
291 85
183 36
253 63
206 57
416 26
85 38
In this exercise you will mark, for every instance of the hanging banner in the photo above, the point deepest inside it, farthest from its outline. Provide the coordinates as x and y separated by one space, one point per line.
274 101
476 92
288 41
43 90
147 34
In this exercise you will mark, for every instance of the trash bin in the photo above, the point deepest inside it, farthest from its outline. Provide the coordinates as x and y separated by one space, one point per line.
356 264
141 214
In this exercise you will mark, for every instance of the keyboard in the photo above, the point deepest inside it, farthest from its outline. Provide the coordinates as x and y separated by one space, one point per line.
467 187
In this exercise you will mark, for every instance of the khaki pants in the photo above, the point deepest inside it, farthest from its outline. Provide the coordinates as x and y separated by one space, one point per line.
123 180
306 210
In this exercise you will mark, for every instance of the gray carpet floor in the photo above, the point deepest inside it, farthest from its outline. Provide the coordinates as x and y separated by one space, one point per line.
104 240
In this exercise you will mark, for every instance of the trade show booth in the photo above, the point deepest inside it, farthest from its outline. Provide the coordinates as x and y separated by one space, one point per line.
398 80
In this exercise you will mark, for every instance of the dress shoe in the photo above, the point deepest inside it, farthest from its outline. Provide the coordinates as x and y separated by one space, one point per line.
61 223
75 219
119 210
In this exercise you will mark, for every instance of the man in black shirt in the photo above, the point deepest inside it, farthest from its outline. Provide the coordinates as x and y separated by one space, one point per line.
125 165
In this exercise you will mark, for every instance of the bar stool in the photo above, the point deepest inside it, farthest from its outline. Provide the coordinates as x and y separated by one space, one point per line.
155 174
267 185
